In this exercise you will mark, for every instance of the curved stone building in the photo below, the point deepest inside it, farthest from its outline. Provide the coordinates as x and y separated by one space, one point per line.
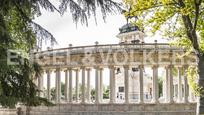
132 91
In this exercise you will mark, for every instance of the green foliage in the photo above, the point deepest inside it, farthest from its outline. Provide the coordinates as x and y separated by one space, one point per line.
81 10
192 77
16 81
7 101
19 32
106 92
53 91
160 86
93 93
176 19
179 20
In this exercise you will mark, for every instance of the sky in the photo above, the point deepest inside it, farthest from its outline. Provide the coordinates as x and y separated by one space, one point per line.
66 32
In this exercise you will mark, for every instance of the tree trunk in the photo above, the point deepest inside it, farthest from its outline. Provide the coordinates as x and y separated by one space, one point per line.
28 108
200 104
19 111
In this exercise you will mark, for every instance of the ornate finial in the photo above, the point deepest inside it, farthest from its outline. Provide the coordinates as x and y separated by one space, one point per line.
70 45
96 43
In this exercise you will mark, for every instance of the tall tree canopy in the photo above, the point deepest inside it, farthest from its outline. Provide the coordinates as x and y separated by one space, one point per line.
179 19
19 32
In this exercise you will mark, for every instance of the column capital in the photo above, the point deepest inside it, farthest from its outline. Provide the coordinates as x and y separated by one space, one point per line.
126 66
48 71
88 69
100 68
77 69
83 67
111 66
69 68
57 69
155 66
169 66
141 66
179 67
96 67
185 66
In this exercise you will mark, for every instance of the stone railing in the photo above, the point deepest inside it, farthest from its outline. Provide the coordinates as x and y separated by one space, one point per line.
4 111
106 47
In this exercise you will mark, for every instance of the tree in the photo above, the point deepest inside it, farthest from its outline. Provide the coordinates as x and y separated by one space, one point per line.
17 80
161 86
181 19
93 94
19 32
106 92
53 91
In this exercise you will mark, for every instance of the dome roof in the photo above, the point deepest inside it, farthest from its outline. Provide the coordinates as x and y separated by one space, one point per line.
128 28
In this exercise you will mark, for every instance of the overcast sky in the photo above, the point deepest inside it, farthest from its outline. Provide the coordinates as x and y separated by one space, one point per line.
66 32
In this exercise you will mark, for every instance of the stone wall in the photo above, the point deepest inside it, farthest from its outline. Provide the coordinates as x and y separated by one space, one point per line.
116 109
7 111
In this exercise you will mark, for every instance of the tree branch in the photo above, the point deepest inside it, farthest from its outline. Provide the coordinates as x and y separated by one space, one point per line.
197 12
154 6
191 33
40 32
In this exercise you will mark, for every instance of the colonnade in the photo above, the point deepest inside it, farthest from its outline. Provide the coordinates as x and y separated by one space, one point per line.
86 88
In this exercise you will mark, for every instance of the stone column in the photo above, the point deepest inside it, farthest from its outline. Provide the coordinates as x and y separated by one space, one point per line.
186 89
155 88
126 71
66 89
170 83
40 86
70 85
58 86
101 84
77 85
179 85
163 89
83 84
112 84
48 85
167 85
191 99
88 91
174 86
97 85
141 82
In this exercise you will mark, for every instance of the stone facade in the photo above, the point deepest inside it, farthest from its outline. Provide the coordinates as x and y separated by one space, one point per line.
131 52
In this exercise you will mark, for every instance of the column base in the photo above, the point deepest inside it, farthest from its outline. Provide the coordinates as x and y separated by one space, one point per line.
179 101
111 102
141 102
97 102
70 102
83 102
127 102
155 101
88 101
186 101
171 102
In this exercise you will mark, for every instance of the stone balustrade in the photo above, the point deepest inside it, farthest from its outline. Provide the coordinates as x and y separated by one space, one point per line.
125 56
